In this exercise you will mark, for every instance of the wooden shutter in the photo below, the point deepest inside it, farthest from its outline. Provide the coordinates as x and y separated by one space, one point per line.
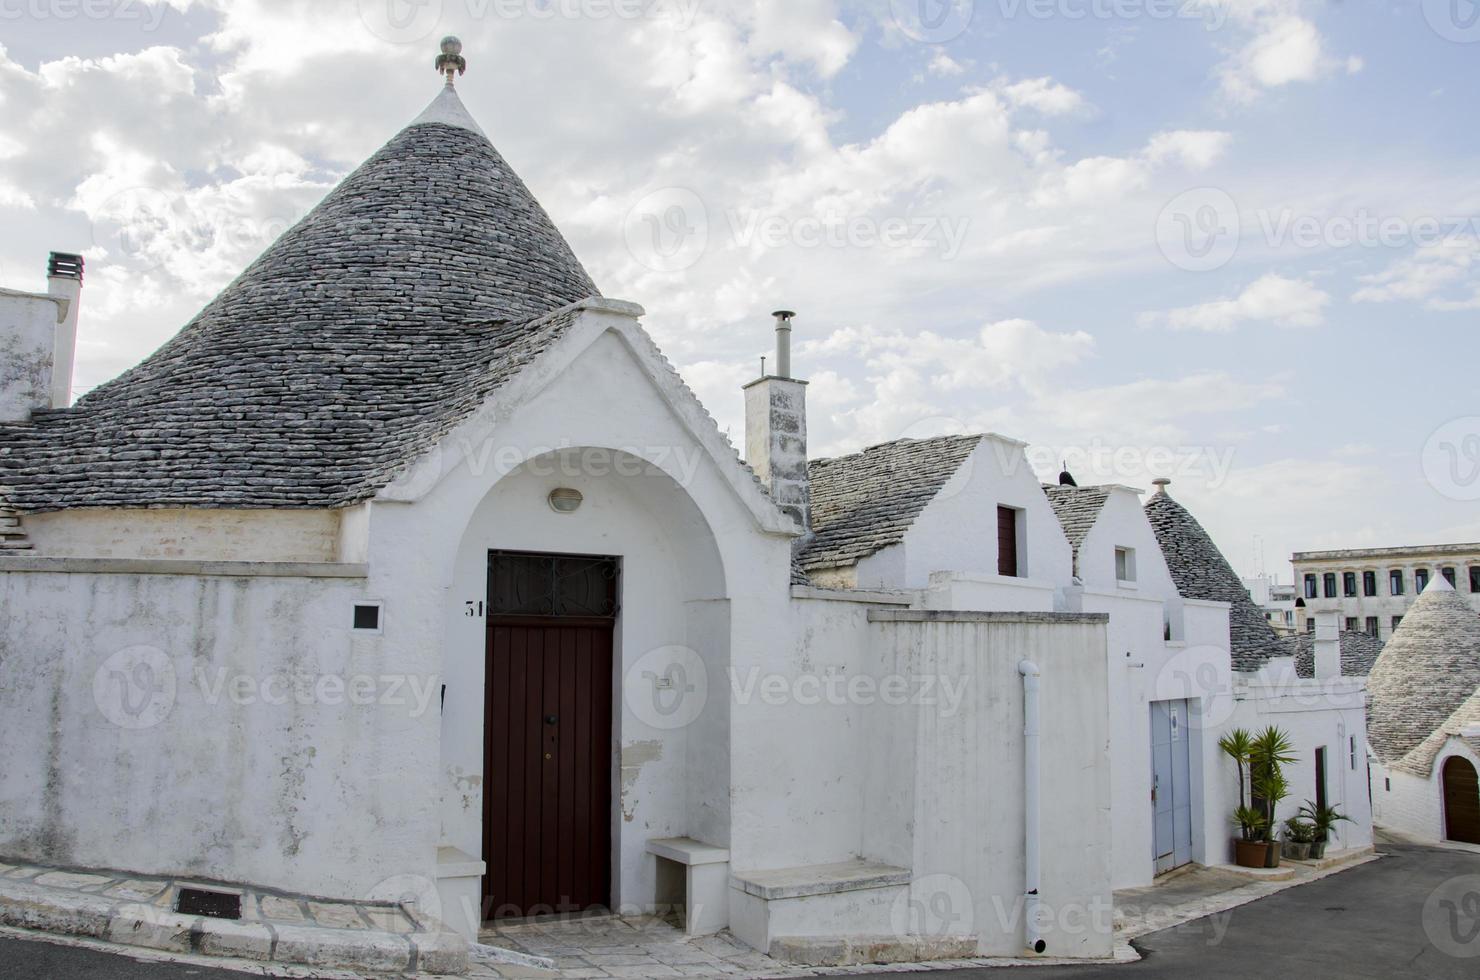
1007 547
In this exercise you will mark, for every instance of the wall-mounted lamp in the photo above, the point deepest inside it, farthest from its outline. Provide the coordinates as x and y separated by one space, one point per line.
564 500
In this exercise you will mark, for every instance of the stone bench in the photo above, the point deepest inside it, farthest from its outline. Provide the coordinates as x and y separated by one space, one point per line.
811 900
692 875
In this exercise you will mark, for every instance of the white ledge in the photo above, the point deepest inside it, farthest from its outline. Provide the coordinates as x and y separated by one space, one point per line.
455 863
181 566
875 597
688 851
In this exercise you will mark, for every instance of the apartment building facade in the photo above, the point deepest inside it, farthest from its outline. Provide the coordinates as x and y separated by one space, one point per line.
1371 589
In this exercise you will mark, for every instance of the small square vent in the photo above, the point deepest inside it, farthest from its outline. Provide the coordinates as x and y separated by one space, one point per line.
217 905
367 617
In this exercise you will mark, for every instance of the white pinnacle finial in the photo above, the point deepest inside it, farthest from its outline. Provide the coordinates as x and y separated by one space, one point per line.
451 61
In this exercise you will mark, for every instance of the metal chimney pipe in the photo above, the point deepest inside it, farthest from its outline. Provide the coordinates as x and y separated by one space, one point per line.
64 281
783 342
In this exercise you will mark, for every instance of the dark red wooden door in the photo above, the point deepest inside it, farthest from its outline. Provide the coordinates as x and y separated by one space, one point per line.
547 790
1007 542
1461 801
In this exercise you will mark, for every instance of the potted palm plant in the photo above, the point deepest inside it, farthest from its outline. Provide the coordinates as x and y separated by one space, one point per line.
1299 834
1249 848
1269 752
1323 818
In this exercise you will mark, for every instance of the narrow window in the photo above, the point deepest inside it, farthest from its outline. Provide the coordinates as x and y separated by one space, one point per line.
1395 581
1351 624
1369 584
1329 581
1397 621
1007 541
1475 578
1420 579
1310 587
1125 564
1320 777
1349 584
1353 750
1310 625
1371 625
1449 577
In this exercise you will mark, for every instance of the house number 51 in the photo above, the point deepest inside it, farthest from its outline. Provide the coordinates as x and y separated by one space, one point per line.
475 608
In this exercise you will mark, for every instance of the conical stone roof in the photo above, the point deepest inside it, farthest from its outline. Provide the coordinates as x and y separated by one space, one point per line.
315 374
1200 571
1425 675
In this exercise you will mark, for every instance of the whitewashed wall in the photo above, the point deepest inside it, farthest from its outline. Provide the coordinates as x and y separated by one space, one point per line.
946 782
28 324
1410 804
152 723
193 534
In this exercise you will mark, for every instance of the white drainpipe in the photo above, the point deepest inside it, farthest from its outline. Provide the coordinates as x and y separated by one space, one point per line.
1030 673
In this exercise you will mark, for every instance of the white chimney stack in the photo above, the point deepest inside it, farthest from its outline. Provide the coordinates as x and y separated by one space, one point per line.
1327 644
38 338
64 281
776 430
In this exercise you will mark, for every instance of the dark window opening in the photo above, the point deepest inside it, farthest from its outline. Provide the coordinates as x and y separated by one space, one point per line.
1351 624
1475 578
1420 579
524 584
1450 577
1372 626
1310 625
1007 542
1369 584
367 616
1349 584
1310 587
1397 621
1320 777
1395 581
1329 581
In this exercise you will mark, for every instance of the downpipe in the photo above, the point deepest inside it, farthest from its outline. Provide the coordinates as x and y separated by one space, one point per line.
1030 674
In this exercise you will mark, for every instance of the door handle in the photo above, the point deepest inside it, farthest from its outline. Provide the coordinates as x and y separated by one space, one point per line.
551 719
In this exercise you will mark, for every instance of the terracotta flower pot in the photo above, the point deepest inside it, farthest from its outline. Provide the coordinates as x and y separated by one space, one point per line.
1249 853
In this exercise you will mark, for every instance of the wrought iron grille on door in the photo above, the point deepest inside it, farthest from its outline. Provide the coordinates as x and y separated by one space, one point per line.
523 584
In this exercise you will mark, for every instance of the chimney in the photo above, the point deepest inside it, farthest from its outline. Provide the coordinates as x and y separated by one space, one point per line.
64 281
776 430
1327 645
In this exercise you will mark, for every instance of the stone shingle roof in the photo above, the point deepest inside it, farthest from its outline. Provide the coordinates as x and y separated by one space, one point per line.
1425 675
1358 653
1077 509
1200 571
422 282
867 501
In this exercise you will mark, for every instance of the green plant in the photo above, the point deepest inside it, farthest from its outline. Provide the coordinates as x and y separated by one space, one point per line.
1250 821
1269 752
1323 818
1270 787
1299 831
1238 745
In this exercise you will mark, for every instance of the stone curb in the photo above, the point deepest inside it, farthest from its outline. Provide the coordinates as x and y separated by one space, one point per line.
25 905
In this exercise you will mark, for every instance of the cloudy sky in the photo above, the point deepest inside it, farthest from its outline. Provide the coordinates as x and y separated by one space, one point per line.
1235 242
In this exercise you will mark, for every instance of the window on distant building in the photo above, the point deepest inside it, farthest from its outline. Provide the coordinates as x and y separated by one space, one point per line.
1310 587
1397 620
1369 584
1420 579
1007 541
1395 581
1449 577
1371 625
1351 624
1125 564
1329 581
1475 578
1349 584
1310 625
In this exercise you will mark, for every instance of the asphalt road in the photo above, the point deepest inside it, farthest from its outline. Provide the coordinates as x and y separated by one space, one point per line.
1414 915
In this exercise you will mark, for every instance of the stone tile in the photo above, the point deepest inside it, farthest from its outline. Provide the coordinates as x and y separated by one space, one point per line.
136 890
336 916
73 880
388 920
24 871
342 949
281 909
645 972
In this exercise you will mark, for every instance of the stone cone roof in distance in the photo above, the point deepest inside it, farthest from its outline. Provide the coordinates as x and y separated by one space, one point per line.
1200 571
330 361
1428 670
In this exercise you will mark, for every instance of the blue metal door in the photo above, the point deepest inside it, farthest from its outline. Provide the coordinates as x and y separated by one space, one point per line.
1171 785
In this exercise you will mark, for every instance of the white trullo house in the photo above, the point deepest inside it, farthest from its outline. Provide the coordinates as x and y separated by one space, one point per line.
411 558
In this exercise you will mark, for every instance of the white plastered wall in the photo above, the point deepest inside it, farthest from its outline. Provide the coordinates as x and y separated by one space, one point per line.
1413 805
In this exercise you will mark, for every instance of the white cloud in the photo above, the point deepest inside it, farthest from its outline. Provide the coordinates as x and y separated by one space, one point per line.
1043 94
1284 47
943 65
1101 178
1443 277
1270 299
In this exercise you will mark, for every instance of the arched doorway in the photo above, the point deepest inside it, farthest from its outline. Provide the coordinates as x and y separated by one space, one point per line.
1461 801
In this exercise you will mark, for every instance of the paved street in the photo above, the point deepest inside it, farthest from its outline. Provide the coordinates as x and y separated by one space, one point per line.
1369 921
